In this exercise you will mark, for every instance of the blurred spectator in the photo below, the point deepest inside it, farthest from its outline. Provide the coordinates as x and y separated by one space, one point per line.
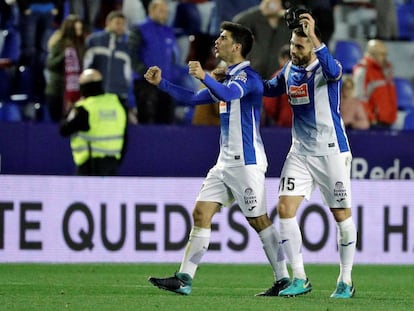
225 11
9 35
368 18
88 10
386 21
36 26
374 85
153 42
277 109
6 13
107 51
352 109
134 12
186 23
270 33
64 65
355 19
187 19
97 126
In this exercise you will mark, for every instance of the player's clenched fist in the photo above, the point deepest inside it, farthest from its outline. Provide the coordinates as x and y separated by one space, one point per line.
195 69
153 75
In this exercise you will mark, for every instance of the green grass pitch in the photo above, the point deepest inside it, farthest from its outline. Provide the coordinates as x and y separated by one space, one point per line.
216 287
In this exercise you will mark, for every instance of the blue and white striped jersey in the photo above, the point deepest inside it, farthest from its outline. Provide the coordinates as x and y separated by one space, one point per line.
315 96
240 97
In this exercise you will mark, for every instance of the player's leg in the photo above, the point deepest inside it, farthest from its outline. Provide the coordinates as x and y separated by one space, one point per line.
212 196
199 239
181 282
333 178
270 239
346 239
248 187
295 184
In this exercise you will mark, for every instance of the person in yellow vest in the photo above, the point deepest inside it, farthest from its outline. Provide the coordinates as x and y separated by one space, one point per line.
97 127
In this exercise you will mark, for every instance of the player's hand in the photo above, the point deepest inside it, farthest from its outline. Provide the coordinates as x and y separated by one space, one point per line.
153 75
308 24
195 69
219 74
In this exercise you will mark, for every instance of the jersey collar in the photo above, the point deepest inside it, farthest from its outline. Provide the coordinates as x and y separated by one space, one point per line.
235 68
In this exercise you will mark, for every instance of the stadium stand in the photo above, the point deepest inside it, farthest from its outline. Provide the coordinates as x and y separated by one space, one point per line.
348 52
405 93
405 14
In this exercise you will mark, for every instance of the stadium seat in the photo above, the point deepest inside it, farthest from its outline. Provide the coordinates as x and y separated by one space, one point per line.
10 112
4 84
21 90
11 45
405 93
409 121
405 16
2 38
33 111
348 52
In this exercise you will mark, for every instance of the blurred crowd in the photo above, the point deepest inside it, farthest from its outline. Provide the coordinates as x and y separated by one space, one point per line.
46 44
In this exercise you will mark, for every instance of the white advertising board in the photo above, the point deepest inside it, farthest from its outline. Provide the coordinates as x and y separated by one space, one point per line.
141 219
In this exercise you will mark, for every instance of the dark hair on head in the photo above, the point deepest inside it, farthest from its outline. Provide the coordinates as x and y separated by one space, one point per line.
69 37
68 27
114 14
299 32
240 34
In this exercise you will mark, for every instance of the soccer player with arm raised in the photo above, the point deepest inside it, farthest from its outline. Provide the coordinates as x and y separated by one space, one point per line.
239 174
319 155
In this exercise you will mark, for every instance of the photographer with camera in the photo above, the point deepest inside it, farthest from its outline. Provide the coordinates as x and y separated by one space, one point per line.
320 154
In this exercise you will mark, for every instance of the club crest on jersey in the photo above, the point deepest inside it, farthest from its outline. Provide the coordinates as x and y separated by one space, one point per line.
241 76
299 95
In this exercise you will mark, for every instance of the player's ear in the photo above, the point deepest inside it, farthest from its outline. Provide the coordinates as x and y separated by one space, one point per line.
237 47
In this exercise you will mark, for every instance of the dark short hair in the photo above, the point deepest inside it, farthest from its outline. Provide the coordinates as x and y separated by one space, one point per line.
114 14
240 34
299 32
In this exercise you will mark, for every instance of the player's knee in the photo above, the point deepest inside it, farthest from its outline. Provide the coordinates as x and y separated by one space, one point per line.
201 218
259 223
284 210
197 215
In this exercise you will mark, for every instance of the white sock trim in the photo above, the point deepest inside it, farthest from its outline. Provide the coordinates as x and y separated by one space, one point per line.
200 232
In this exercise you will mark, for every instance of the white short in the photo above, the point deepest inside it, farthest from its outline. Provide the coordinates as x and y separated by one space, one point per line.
332 173
243 184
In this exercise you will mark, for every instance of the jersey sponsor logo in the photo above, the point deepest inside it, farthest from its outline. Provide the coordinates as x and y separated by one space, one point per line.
299 95
340 191
223 107
250 198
